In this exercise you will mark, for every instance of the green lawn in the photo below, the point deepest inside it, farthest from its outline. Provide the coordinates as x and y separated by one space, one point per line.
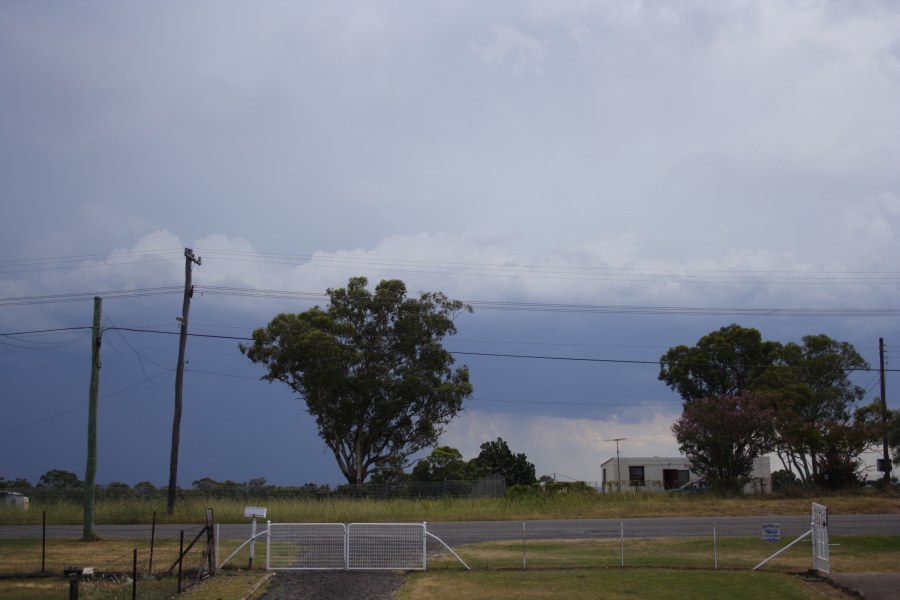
622 584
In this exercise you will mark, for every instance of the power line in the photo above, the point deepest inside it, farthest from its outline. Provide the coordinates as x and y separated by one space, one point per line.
485 354
86 296
588 308
460 268
70 410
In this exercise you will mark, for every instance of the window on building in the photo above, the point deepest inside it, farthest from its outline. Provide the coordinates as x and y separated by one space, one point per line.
636 475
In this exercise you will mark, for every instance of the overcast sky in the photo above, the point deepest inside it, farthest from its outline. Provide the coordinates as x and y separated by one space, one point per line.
560 156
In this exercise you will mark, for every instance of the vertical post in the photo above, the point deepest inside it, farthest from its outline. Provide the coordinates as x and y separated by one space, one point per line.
268 543
211 540
524 550
622 543
180 558
134 576
424 545
218 537
884 418
715 549
44 543
252 542
152 543
189 259
73 587
90 471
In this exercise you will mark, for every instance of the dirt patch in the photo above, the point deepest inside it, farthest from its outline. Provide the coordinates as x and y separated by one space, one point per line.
359 585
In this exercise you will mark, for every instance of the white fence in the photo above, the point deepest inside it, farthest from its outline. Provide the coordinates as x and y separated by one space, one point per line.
359 546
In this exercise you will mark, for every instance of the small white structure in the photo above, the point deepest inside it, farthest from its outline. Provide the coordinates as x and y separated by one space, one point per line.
14 499
656 474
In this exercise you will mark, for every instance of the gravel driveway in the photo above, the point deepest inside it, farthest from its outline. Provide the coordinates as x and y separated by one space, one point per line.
358 585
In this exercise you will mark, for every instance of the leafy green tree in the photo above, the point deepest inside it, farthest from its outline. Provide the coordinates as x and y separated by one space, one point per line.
783 479
726 362
18 483
59 479
145 489
821 426
496 458
722 436
206 484
443 464
372 370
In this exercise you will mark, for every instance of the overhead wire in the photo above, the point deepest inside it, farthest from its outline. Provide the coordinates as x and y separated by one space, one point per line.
140 357
480 269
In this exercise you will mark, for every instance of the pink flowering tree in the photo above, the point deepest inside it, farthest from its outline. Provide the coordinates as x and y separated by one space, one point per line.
722 435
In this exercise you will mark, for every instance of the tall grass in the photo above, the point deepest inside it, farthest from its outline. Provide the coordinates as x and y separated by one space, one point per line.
581 505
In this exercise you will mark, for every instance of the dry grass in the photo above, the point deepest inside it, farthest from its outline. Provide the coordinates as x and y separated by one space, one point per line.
858 554
528 507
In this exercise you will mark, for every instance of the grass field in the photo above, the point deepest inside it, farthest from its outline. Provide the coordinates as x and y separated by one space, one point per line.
654 569
645 584
558 506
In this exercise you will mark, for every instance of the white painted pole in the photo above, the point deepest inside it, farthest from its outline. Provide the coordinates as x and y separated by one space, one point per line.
715 549
253 543
524 556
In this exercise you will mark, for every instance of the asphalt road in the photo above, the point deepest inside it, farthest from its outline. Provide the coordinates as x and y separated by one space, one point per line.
466 532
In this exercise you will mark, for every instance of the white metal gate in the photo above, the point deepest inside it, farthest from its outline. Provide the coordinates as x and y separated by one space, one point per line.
821 555
386 546
362 546
306 546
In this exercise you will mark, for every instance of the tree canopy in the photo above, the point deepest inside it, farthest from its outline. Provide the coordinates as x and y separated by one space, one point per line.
725 362
496 458
722 436
443 464
59 479
820 427
372 370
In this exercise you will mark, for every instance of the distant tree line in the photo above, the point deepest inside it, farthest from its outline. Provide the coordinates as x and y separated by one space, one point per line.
443 464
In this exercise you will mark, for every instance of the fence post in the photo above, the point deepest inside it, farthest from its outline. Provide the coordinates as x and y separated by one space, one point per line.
44 546
73 587
180 558
622 543
211 541
524 550
152 542
715 549
134 576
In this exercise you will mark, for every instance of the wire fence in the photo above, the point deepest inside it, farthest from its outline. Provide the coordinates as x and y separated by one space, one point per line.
491 486
542 545
127 561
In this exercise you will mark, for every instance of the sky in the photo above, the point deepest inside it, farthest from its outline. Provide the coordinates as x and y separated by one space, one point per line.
601 180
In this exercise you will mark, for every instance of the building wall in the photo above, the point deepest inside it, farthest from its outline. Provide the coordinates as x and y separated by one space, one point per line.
662 473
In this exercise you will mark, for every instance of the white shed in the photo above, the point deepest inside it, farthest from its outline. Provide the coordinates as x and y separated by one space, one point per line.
14 499
655 474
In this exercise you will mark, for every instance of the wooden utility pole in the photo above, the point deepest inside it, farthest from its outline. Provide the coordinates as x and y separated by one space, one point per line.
884 417
189 259
90 471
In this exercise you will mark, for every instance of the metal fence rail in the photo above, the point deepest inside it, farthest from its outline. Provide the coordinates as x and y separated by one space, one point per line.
372 546
358 546
299 546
